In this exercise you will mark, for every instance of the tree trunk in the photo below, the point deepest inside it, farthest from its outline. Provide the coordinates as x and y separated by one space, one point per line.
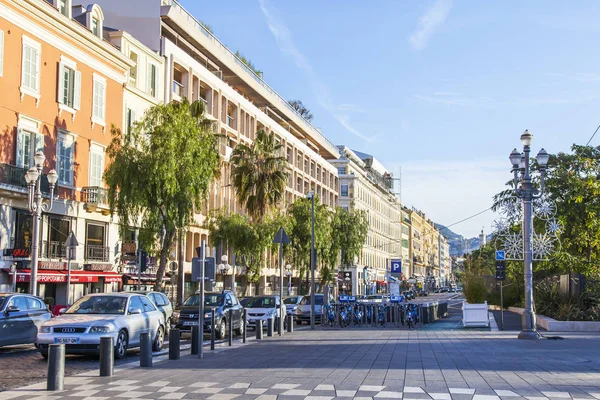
180 274
162 266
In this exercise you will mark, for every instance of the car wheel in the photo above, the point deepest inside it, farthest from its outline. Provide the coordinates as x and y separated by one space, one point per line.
121 345
240 331
44 354
159 339
221 329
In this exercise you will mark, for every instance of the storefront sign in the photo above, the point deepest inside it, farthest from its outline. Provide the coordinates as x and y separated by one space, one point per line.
18 253
129 247
41 278
98 267
52 265
112 279
83 278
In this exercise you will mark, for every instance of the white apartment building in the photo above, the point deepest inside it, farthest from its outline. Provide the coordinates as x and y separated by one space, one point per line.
198 66
366 185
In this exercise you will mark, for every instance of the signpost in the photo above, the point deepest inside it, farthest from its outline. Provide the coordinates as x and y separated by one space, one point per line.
501 276
198 276
282 238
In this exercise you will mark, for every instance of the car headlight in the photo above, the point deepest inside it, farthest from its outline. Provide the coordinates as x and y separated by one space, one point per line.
45 329
100 329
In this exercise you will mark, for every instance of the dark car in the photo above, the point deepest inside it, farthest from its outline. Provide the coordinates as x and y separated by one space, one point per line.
187 314
21 316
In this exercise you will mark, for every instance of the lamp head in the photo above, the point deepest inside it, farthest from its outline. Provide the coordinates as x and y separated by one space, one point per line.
224 258
288 267
31 175
542 158
522 162
526 138
52 177
310 195
39 158
515 158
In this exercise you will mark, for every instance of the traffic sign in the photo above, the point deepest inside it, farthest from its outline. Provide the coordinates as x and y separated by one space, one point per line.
500 275
500 255
343 298
500 265
396 266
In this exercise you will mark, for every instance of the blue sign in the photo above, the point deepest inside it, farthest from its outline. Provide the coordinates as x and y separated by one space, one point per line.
396 299
500 255
343 298
396 266
351 298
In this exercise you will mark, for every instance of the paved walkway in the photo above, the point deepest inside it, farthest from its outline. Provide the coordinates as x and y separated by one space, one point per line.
361 363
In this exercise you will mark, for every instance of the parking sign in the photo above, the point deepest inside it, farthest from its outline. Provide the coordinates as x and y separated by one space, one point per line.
500 255
396 265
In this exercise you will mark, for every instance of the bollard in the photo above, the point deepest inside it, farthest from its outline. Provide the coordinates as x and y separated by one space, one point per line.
290 323
270 327
146 350
195 331
212 329
258 328
245 322
56 367
107 359
230 332
174 341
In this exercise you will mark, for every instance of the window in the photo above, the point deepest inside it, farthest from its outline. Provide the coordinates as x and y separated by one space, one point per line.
64 159
30 74
95 26
57 235
23 230
133 71
341 170
96 165
343 190
34 304
148 306
131 116
18 301
99 102
29 142
152 79
69 84
135 303
1 52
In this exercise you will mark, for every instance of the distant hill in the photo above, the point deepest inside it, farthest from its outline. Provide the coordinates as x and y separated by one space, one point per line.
458 244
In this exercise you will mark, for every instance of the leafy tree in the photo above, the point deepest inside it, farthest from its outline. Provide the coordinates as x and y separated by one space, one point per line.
259 174
161 172
302 110
248 63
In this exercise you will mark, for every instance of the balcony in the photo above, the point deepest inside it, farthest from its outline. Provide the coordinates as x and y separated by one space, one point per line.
95 199
230 121
97 253
11 175
178 90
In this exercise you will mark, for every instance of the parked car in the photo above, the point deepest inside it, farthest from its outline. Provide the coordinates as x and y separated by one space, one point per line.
244 301
303 310
291 304
21 316
124 316
262 308
187 315
161 301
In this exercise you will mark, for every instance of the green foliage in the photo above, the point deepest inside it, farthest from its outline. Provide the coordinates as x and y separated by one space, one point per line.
249 64
474 288
161 172
259 174
349 234
302 110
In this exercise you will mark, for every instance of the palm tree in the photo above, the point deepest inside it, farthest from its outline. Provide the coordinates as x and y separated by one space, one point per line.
259 174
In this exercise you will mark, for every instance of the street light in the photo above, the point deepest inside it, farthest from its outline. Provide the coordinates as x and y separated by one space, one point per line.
288 273
527 193
313 261
224 268
33 177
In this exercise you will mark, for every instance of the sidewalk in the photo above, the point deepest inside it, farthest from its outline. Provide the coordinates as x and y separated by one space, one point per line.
369 363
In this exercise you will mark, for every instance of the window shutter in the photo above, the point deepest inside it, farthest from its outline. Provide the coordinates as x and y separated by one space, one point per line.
22 148
149 75
103 102
77 91
61 84
39 143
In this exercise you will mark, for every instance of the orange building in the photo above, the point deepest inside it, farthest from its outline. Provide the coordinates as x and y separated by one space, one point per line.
61 89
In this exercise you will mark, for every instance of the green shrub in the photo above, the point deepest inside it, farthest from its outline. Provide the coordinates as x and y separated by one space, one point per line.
510 296
474 289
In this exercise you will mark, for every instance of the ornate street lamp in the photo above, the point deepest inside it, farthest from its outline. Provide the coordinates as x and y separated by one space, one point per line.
224 268
33 177
289 273
527 193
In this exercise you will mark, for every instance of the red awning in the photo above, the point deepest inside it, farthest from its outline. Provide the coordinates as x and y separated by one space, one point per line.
60 276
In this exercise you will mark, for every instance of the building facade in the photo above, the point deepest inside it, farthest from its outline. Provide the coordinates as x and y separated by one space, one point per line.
62 91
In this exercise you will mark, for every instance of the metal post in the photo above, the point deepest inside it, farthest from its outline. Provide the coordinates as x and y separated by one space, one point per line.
201 305
174 341
107 359
69 276
245 322
146 350
233 275
139 285
212 329
194 340
313 261
258 328
56 367
270 327
230 332
501 308
290 324
282 307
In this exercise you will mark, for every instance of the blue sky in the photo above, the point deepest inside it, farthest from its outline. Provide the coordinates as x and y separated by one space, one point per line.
441 88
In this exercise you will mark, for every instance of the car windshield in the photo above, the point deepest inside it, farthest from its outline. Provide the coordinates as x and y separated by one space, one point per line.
2 300
261 302
290 300
210 300
306 301
99 305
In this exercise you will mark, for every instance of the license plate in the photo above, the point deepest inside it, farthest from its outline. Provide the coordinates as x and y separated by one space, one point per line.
66 340
189 323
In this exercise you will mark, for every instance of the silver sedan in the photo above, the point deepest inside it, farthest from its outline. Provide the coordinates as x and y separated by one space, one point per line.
122 316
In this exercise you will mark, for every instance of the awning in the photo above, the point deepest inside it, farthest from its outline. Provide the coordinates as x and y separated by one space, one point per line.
145 277
60 276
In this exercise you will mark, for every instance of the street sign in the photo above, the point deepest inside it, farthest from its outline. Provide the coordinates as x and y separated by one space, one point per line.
396 299
71 246
396 266
209 269
343 298
281 237
500 255
501 270
351 299
500 275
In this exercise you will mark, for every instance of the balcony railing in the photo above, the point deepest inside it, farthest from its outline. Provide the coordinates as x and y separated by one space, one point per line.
15 176
97 253
94 195
178 88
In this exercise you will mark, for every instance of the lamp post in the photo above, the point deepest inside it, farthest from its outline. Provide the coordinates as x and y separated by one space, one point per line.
313 261
33 177
288 273
527 193
224 268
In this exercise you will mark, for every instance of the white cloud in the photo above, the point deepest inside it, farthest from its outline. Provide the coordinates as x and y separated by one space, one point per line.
435 16
284 39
